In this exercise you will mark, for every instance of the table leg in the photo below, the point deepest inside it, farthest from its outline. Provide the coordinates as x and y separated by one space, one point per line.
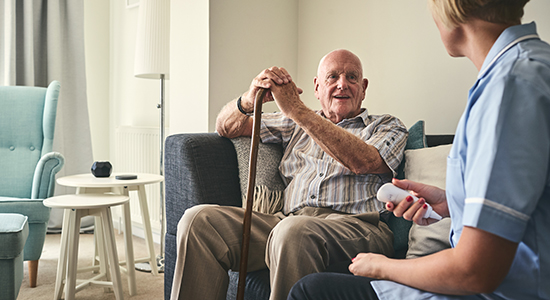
73 239
100 248
129 245
147 227
62 261
108 233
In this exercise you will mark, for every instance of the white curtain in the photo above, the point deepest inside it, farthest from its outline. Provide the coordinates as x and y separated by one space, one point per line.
42 41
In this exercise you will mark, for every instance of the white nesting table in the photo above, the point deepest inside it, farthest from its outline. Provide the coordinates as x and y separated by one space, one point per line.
75 207
88 183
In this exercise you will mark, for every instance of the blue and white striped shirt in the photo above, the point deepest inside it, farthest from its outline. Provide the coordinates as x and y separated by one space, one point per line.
315 179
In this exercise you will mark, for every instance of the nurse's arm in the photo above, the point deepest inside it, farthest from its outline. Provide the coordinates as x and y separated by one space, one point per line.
478 264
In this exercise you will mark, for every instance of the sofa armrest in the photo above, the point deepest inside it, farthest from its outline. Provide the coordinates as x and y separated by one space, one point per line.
200 168
43 184
434 140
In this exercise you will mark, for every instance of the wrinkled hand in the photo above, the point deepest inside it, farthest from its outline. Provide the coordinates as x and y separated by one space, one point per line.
267 79
415 211
368 265
287 97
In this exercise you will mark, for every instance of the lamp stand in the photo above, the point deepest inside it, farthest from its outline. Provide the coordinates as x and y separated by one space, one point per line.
145 267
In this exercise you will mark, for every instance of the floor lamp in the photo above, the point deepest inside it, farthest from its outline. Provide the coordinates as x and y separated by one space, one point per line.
152 61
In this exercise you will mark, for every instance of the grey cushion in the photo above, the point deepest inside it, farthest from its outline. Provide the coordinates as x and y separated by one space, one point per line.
425 240
268 191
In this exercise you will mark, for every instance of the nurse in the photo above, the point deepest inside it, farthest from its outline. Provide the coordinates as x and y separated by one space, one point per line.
498 175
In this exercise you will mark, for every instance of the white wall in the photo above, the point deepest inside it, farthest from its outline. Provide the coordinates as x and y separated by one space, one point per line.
218 46
260 34
411 75
96 41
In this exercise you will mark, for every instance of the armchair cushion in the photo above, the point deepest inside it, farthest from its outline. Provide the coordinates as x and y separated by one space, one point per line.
13 234
38 216
14 231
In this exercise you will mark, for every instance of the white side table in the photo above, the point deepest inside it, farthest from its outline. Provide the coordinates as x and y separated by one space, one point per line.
88 183
75 207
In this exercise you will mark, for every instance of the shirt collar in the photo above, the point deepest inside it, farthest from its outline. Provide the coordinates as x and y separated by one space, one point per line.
508 38
363 116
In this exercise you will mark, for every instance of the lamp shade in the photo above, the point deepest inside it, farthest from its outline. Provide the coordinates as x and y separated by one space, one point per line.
153 39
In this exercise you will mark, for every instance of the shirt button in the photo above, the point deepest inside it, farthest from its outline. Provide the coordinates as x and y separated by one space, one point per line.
321 174
312 196
12 148
32 148
387 143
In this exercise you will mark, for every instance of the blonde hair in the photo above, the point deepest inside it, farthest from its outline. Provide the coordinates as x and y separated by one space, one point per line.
454 12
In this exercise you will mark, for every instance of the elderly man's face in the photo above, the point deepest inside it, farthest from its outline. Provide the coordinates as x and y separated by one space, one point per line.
340 86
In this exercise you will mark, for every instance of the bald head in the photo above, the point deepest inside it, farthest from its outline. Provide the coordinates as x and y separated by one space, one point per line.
339 55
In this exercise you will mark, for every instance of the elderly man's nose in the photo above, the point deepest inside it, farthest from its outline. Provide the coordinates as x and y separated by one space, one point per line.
342 84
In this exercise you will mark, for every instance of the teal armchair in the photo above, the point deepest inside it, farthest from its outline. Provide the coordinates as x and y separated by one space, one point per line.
27 163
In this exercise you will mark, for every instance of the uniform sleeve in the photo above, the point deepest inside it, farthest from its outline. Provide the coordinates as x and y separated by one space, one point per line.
508 137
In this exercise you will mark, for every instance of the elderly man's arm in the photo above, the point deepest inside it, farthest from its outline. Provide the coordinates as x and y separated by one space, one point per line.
343 146
233 123
346 148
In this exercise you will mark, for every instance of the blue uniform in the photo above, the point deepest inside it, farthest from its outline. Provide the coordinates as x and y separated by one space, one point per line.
498 170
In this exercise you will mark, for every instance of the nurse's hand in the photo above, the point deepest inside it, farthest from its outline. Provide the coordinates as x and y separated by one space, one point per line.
414 211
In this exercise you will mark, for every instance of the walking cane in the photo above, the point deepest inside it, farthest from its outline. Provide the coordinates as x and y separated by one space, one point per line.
247 220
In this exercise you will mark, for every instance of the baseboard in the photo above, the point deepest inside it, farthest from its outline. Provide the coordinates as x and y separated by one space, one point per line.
137 230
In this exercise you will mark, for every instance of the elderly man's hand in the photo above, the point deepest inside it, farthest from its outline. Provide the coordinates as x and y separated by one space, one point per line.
267 79
287 97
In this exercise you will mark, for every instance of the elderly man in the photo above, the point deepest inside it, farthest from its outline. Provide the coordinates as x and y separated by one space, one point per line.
334 161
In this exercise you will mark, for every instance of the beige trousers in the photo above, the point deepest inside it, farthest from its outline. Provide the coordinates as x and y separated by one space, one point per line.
209 244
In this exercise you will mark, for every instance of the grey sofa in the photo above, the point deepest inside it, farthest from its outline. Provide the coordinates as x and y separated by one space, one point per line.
202 168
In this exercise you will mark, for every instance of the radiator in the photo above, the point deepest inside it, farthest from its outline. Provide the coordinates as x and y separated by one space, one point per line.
137 150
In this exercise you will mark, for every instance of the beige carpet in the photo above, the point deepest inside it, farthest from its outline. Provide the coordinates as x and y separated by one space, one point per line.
148 286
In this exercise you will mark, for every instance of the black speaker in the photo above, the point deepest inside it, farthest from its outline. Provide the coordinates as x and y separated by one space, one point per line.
102 169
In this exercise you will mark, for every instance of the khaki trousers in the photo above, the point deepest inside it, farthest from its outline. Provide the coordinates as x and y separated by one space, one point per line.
209 244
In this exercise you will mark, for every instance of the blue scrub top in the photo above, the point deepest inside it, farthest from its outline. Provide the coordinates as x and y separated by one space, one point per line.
498 170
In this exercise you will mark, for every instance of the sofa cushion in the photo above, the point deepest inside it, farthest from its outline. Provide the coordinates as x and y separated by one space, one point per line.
428 165
268 190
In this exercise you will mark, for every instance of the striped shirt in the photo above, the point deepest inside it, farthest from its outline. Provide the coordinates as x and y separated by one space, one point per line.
315 179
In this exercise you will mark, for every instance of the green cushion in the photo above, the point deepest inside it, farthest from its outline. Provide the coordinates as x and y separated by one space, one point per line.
416 140
399 226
